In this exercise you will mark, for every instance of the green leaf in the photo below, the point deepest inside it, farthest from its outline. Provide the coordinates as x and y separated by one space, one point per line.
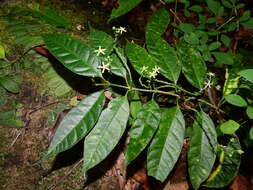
245 16
186 27
106 133
227 4
249 112
231 82
2 52
213 6
9 84
124 7
211 20
248 24
135 104
202 149
77 123
196 8
7 115
247 74
225 40
229 127
12 123
224 58
142 62
229 164
74 54
166 146
251 133
194 67
157 23
102 39
144 126
51 17
214 46
116 66
165 57
191 38
236 100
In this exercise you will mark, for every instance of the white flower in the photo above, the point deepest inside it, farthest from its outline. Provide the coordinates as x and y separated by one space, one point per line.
154 72
143 69
100 50
121 29
104 67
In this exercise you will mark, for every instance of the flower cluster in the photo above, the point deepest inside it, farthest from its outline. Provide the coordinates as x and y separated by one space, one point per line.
119 31
152 74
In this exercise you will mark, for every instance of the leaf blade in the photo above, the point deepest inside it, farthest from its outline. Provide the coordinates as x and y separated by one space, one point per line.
77 123
108 130
142 130
202 149
74 54
166 145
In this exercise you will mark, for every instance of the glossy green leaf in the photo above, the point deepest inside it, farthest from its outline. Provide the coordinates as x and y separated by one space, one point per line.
106 133
249 112
144 126
124 7
166 146
77 123
117 67
224 58
2 52
165 57
229 127
9 84
214 46
73 54
194 67
202 149
102 39
236 100
157 23
51 17
229 164
142 62
247 74
135 104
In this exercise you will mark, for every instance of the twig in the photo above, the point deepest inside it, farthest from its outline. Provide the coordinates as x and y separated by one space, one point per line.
211 105
221 26
51 187
175 15
16 138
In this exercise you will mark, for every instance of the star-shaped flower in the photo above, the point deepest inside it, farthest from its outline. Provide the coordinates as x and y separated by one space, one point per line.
100 50
156 69
121 29
104 67
143 69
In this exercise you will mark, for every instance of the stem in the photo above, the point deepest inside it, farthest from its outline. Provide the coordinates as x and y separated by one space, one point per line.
177 87
229 20
211 105
138 89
